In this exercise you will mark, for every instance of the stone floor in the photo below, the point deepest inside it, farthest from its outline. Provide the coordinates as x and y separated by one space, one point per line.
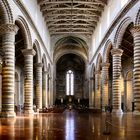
70 125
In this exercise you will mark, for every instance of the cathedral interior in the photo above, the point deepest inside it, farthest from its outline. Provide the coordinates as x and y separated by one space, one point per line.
69 69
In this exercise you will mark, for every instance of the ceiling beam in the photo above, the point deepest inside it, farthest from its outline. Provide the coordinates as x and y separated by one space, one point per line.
69 8
70 27
77 14
73 12
55 33
63 19
99 2
71 16
69 24
90 5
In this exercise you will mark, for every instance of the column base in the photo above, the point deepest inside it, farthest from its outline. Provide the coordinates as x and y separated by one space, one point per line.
91 107
136 112
117 111
7 114
28 112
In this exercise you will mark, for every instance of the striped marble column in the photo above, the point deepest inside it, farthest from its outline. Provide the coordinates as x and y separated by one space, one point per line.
105 94
136 71
91 93
38 91
97 90
8 32
28 81
116 53
44 89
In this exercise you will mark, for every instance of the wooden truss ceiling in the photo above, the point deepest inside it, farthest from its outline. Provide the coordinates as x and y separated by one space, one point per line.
71 16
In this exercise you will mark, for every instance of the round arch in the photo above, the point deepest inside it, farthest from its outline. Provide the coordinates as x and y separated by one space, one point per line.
92 70
22 24
74 35
120 31
70 44
137 20
44 61
106 51
99 62
6 16
61 42
36 47
58 56
49 68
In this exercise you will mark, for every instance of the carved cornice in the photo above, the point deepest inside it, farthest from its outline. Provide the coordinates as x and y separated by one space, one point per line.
113 25
28 52
30 21
116 51
8 28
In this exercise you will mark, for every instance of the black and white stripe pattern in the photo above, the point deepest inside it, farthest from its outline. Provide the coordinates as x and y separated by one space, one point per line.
38 85
97 90
8 32
136 72
116 53
28 82
105 76
44 89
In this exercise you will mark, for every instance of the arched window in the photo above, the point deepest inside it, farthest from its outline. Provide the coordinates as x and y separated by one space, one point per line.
69 83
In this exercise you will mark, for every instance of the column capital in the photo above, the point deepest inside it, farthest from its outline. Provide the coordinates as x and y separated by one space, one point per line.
8 28
116 51
106 65
45 72
135 29
39 65
97 72
28 52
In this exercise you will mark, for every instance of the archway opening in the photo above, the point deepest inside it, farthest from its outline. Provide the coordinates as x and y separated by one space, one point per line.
70 78
127 65
110 100
20 44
